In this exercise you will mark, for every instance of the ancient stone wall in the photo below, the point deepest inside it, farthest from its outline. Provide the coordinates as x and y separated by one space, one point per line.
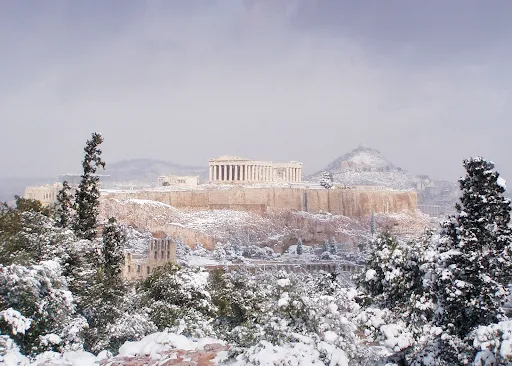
346 202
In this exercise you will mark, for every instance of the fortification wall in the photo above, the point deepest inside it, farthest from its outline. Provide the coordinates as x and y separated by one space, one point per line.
346 202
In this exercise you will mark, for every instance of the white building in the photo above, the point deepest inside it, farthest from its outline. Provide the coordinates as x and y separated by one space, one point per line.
46 194
232 169
174 180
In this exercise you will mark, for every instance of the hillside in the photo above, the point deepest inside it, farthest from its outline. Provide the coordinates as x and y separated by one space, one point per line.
367 166
148 170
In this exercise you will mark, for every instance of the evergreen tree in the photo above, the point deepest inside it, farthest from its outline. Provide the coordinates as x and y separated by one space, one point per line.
64 205
103 302
474 252
87 196
327 180
299 247
326 246
333 247
114 240
373 225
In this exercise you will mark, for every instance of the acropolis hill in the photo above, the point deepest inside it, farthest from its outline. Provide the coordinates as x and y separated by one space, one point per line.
350 202
258 186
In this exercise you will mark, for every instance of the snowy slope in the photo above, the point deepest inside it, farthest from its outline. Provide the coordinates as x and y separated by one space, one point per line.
366 166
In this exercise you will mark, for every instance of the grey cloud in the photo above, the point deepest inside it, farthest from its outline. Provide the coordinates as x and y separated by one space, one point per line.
290 82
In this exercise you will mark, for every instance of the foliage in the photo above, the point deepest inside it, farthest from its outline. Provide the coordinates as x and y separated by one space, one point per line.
38 311
177 298
87 195
300 249
326 180
64 206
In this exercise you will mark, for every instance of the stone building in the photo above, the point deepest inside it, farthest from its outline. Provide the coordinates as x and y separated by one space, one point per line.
231 169
160 252
174 180
46 194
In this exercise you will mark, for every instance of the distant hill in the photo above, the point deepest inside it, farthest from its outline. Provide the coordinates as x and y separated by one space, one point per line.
367 166
148 170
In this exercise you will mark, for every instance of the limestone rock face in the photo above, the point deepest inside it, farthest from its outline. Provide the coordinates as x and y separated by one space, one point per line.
346 202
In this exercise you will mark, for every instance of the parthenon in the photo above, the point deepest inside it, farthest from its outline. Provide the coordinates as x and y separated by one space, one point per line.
231 169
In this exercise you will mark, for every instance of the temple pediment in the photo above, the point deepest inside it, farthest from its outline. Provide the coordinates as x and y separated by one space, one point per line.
229 158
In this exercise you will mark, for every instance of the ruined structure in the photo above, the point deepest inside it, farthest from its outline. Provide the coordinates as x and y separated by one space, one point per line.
231 169
174 180
46 194
160 252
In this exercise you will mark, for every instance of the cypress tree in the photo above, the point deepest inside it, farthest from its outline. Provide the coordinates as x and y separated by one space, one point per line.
114 240
299 247
326 246
333 247
88 194
373 225
64 205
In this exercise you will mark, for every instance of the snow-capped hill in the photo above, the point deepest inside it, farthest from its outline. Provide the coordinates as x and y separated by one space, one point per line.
366 166
362 159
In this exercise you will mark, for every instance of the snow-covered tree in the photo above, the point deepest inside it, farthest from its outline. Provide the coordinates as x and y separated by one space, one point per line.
300 249
333 247
88 194
326 180
37 310
474 259
326 247
114 240
177 298
64 206
373 225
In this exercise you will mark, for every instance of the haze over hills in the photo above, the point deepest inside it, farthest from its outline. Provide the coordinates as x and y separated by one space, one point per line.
148 170
361 166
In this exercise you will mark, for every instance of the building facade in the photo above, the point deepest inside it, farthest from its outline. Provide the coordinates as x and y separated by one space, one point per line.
231 169
173 180
160 252
46 194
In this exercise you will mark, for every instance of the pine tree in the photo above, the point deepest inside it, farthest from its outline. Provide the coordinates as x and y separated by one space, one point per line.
299 247
327 180
64 205
87 196
474 252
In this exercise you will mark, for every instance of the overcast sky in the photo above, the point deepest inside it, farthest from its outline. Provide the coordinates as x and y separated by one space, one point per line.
427 83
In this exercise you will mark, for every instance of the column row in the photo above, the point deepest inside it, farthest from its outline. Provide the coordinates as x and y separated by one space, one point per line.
240 173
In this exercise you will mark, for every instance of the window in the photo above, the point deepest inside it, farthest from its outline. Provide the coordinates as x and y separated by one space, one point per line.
129 269
149 271
138 268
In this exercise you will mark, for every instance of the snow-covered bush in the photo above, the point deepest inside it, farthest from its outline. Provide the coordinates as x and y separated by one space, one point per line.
39 311
177 298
